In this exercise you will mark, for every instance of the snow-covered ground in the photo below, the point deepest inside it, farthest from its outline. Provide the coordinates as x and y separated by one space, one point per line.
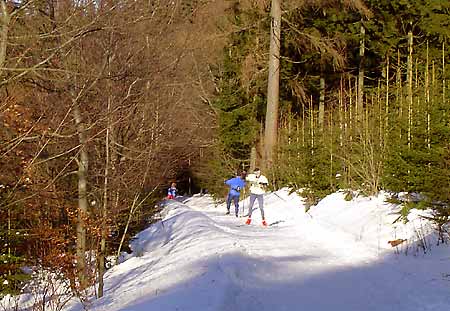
335 257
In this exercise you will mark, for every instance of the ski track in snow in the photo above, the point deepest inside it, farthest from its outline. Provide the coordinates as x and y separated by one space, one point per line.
199 259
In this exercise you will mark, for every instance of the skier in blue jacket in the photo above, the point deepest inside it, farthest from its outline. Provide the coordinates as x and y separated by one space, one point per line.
236 184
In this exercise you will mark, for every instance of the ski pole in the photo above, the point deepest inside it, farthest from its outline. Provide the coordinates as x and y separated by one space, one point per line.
243 200
278 196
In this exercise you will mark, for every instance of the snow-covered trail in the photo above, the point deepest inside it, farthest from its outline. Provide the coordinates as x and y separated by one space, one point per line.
200 259
300 264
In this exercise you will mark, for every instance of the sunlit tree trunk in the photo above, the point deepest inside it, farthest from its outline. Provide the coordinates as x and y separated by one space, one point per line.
322 103
359 104
102 255
252 159
312 133
399 91
443 71
82 197
386 116
4 27
270 138
427 95
410 86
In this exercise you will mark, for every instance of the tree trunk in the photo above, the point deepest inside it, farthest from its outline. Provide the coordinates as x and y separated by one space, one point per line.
273 86
134 207
410 86
4 28
322 103
341 115
82 198
331 176
443 71
427 95
312 133
399 91
130 215
102 255
386 116
359 104
253 159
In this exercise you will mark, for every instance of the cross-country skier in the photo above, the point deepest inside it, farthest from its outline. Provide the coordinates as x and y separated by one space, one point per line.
236 184
258 184
172 191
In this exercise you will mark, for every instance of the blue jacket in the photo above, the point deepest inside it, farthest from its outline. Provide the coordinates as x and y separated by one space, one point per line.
172 191
236 185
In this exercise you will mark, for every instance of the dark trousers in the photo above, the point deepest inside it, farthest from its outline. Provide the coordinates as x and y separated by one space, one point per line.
235 199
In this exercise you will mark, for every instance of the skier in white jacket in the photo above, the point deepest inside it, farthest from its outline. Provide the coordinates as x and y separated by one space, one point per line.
258 184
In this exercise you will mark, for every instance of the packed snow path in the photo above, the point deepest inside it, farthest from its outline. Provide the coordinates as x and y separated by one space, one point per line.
335 258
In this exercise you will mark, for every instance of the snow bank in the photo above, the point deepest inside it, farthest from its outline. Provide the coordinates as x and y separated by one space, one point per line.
334 257
374 222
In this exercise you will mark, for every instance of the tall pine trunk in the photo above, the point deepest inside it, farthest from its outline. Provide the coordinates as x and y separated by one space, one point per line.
322 104
360 88
443 72
427 96
253 159
270 134
410 86
386 116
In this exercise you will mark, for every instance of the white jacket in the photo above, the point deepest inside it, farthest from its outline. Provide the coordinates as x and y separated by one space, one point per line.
257 183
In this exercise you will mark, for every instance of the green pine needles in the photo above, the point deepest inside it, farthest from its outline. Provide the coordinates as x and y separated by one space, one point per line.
390 131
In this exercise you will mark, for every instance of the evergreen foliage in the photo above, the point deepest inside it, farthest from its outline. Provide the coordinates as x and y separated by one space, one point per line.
241 97
422 165
396 143
240 101
12 256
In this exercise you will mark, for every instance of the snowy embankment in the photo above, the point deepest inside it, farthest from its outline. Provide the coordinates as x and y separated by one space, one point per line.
335 257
